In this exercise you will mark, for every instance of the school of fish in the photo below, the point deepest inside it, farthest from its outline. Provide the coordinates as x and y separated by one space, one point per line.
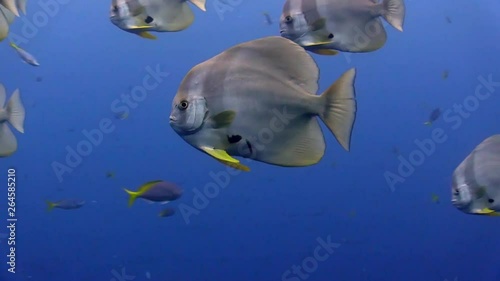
259 99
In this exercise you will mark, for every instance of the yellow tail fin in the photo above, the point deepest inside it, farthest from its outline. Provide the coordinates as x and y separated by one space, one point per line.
133 196
428 123
50 205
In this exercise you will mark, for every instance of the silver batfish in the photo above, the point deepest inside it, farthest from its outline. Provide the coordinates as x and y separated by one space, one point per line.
476 181
258 100
328 26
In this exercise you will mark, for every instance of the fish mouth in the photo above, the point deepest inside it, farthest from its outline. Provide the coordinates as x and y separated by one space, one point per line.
172 119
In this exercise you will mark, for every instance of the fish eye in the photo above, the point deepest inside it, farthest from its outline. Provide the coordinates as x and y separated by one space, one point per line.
330 36
115 9
288 19
491 201
183 105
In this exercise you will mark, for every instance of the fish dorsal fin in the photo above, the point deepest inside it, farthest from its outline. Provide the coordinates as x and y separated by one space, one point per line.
200 4
276 57
223 119
145 187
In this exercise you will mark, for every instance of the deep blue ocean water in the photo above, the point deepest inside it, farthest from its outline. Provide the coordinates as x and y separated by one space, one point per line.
264 224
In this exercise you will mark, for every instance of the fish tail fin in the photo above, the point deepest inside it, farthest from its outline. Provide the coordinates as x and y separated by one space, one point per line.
340 108
13 45
428 123
394 13
50 205
16 112
200 4
133 195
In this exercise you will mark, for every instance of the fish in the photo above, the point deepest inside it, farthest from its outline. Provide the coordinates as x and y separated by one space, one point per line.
326 27
475 187
14 6
25 56
13 113
167 212
435 114
445 74
257 100
142 16
267 17
6 19
65 204
155 191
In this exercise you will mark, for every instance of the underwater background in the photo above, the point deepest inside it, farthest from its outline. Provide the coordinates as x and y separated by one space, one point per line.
256 225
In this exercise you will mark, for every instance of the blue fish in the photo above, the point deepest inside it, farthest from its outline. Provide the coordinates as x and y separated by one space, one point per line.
25 56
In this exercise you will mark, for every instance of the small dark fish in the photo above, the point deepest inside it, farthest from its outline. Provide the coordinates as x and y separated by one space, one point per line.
445 74
396 151
167 212
66 204
155 191
448 20
435 114
39 79
268 19
110 175
435 198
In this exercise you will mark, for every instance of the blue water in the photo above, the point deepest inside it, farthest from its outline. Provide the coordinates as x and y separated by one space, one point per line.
260 225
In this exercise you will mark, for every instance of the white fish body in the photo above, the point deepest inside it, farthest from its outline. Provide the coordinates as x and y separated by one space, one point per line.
141 16
476 181
258 100
343 25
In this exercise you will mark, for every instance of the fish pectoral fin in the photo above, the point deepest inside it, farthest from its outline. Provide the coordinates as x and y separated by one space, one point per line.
200 4
325 52
223 119
319 24
219 154
237 166
147 35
